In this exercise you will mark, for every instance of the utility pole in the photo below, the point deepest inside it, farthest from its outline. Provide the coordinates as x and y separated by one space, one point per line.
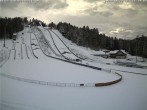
136 47
4 36
5 32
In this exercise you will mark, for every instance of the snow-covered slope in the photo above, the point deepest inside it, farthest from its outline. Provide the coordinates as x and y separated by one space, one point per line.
45 71
99 61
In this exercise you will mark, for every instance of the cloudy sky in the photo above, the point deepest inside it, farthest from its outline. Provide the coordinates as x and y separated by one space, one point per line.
119 19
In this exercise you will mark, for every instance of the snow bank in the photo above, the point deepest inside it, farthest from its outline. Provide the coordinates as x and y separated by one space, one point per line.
4 55
0 88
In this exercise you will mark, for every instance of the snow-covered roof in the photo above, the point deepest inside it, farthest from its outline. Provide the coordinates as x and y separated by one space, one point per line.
115 51
124 51
105 50
14 34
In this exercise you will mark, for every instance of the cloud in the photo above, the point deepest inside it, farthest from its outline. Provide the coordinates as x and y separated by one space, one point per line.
113 19
10 5
94 12
92 0
98 9
49 4
38 5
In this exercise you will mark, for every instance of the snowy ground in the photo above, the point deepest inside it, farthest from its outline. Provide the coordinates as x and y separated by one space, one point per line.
0 88
29 59
130 94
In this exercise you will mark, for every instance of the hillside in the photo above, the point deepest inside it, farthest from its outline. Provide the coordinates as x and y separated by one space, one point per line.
43 70
82 36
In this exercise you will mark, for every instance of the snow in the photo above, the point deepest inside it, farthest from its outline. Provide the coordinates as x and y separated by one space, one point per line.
34 70
4 54
129 94
62 47
36 49
89 54
0 89
50 41
12 54
99 53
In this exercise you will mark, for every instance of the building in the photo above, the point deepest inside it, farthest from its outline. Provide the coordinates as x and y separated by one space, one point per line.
118 54
14 36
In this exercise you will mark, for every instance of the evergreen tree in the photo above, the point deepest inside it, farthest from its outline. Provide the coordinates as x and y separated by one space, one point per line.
83 36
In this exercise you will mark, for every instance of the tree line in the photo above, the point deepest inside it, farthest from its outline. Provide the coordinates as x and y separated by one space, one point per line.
93 39
82 36
8 26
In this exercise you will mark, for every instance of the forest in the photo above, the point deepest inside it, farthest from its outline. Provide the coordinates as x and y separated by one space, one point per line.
82 36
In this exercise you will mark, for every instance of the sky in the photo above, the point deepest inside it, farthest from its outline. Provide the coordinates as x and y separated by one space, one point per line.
112 17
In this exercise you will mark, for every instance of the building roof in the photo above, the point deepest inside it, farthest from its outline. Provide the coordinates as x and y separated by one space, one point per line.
115 51
14 34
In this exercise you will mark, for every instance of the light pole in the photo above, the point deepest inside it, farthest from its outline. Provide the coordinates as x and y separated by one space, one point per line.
5 34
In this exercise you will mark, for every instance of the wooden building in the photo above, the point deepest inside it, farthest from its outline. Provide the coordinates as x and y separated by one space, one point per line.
118 54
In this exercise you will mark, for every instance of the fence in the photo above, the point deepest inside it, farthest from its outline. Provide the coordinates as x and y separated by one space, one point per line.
61 84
